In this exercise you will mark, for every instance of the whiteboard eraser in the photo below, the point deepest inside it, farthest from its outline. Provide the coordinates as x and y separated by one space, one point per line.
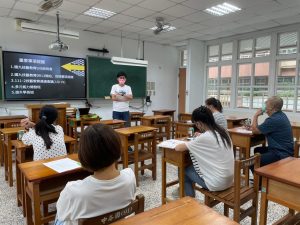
106 97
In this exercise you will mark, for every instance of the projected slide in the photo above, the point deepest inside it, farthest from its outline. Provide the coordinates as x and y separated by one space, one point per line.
43 77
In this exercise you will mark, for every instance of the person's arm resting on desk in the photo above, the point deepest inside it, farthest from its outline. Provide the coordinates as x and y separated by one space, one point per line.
181 147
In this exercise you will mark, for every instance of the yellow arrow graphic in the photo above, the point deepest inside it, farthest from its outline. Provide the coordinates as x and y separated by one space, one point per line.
70 67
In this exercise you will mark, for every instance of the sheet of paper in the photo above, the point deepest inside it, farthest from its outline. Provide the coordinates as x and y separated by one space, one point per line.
242 130
172 143
63 165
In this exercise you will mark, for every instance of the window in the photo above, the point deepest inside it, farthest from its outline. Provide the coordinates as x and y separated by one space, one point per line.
220 86
245 47
286 81
226 51
262 46
183 58
213 81
287 43
252 88
213 53
225 85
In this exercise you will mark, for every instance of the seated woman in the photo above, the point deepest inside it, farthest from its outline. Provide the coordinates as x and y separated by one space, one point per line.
46 138
211 154
107 189
216 108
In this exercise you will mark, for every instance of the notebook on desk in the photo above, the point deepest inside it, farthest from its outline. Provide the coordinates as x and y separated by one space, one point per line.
84 111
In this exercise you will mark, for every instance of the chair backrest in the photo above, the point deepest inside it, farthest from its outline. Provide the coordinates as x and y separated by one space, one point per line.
182 129
136 206
184 117
239 177
70 112
12 124
88 121
146 137
164 126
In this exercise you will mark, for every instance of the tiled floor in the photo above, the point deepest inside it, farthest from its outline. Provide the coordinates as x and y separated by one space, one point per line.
10 214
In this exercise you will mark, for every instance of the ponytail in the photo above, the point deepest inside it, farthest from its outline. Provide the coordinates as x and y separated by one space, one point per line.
48 115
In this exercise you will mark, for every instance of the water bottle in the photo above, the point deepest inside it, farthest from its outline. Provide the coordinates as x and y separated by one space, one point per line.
191 132
77 114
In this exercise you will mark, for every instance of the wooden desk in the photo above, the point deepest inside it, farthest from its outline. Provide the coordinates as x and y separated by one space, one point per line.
115 124
4 120
296 130
8 135
24 153
152 120
44 184
186 211
235 121
245 139
136 117
181 159
280 184
127 139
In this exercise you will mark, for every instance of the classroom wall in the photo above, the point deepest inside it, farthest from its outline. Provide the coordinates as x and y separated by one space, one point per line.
162 69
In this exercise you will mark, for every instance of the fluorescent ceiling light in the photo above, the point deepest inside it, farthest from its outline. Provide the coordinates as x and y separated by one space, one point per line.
128 62
166 28
100 13
222 9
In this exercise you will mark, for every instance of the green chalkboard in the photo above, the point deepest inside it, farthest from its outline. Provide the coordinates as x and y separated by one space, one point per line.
102 74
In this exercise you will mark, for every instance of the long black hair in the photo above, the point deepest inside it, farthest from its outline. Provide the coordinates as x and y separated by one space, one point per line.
48 115
205 116
215 103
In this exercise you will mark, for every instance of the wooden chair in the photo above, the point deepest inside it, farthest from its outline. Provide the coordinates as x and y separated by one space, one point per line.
144 149
184 117
85 122
6 125
136 206
240 193
182 129
296 149
164 127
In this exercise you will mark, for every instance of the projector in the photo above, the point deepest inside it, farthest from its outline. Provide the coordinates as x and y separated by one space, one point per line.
60 46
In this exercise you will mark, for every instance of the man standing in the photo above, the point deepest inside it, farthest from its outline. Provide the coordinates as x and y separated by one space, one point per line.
278 131
121 95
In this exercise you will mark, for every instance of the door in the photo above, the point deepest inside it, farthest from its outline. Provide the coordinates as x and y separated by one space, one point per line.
182 90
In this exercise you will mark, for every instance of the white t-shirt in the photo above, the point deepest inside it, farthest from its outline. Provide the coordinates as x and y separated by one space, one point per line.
212 161
58 147
91 197
220 119
120 106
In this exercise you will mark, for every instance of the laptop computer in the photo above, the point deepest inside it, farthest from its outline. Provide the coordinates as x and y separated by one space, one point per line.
84 111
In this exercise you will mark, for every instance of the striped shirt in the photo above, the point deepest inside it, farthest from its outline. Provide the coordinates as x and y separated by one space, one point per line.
213 161
220 119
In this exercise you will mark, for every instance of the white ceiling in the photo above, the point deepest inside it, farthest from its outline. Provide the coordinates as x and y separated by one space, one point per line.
135 17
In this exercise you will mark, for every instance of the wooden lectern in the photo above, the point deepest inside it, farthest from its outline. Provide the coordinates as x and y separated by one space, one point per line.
34 112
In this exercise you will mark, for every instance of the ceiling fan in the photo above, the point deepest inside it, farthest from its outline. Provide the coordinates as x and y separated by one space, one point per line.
58 44
161 26
47 5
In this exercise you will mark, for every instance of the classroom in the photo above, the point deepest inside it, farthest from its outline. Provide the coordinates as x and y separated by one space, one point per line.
180 59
